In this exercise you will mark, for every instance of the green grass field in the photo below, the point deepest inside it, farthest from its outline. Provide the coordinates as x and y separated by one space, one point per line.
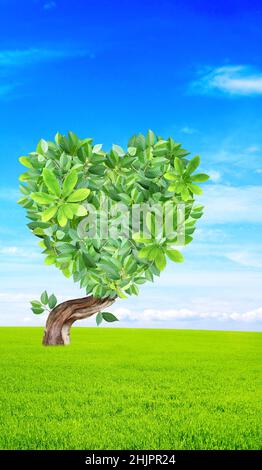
131 389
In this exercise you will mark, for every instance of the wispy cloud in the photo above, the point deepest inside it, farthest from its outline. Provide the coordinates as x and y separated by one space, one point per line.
246 258
12 60
225 204
231 79
35 55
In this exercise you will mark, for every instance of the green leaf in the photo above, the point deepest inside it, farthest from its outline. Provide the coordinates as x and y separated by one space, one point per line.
134 289
200 178
144 252
175 255
121 294
67 210
42 198
125 198
195 189
36 303
44 145
50 260
188 239
61 217
88 260
99 318
48 214
24 177
109 317
80 211
66 272
160 260
110 269
51 182
192 165
170 176
131 151
60 235
172 187
44 298
196 215
79 195
139 239
26 162
120 152
153 253
97 170
58 138
25 202
38 310
52 301
73 140
150 137
198 207
151 223
185 193
24 189
64 161
178 166
69 183
97 148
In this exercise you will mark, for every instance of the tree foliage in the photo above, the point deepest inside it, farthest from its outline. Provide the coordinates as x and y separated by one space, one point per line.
66 175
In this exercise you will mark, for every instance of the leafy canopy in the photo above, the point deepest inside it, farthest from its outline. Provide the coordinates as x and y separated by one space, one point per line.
64 176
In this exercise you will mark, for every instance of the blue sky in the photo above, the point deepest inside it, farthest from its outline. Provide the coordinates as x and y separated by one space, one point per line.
108 69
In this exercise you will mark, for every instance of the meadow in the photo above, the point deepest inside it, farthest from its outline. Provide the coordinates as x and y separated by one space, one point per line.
132 389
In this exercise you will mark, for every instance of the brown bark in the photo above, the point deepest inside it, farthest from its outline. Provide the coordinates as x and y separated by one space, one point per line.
61 318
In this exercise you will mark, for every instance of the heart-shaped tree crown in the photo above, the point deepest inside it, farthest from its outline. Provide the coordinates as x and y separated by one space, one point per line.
109 219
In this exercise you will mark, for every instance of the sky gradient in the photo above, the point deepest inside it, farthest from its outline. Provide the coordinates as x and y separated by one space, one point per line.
107 70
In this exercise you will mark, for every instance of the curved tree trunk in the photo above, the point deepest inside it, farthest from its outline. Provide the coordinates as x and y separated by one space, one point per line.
61 318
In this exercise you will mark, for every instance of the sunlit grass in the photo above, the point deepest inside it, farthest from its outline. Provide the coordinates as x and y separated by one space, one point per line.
131 389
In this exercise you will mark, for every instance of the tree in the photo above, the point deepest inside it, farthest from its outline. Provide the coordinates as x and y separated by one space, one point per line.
109 219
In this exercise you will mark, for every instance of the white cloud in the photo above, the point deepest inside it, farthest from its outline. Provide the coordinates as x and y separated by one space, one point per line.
230 79
225 204
244 158
18 251
9 250
214 175
183 314
246 258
